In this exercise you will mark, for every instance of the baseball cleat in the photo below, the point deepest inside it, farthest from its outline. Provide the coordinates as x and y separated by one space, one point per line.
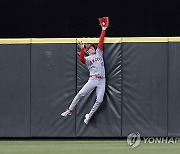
66 113
87 118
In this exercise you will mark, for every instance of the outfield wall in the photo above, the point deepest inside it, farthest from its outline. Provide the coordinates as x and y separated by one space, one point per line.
40 77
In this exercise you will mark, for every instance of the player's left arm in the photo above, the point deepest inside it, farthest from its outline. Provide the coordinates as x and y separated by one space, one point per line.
101 38
82 57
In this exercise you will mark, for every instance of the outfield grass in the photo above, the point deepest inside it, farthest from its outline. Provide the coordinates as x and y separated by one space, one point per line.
84 147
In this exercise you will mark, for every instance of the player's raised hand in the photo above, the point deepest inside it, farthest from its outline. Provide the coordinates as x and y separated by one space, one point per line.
81 44
104 22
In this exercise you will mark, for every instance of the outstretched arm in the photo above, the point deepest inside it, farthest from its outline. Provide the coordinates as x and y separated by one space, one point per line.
104 23
101 38
82 58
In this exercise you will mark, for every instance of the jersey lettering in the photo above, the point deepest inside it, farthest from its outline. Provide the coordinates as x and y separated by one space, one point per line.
95 63
95 60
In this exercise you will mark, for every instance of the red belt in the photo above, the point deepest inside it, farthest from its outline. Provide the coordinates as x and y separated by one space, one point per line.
97 76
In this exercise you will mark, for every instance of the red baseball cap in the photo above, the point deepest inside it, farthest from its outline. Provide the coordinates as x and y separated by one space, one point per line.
88 46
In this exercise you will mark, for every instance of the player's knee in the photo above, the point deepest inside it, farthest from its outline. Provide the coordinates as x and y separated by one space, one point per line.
99 99
79 96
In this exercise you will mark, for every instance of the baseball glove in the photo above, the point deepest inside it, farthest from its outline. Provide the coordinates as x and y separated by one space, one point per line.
104 21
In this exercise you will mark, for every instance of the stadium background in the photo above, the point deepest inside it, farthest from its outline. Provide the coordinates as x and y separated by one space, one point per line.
20 76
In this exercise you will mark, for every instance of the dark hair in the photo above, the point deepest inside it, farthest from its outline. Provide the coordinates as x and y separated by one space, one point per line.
93 45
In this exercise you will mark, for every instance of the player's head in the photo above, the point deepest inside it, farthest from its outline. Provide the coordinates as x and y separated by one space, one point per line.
90 48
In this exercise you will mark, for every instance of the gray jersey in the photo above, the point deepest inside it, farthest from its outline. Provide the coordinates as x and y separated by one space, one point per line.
95 63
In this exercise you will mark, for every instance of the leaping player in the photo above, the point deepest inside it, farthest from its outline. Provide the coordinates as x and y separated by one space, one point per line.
95 64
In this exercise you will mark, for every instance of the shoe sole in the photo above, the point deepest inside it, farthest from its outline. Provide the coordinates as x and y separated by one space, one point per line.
86 121
65 115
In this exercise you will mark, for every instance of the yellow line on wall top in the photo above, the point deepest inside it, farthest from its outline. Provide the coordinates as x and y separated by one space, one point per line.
96 40
53 40
145 39
88 40
174 39
15 41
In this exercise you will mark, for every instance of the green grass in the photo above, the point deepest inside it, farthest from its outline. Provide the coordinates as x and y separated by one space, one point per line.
84 147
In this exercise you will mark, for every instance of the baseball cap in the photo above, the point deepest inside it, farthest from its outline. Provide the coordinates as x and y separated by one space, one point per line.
89 45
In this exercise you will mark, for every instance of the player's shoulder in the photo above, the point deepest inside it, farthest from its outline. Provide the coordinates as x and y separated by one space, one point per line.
98 51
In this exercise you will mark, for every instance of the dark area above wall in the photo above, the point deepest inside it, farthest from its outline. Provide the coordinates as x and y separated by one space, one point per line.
78 18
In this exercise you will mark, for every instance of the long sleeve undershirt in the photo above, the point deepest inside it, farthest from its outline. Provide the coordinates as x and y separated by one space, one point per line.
82 58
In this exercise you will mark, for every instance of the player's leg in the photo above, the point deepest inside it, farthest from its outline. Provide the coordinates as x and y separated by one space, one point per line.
88 87
99 99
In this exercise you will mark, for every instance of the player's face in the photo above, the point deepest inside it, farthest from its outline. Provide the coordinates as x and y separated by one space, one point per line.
91 50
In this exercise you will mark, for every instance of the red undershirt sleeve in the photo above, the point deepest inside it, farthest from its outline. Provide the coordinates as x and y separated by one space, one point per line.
101 40
82 58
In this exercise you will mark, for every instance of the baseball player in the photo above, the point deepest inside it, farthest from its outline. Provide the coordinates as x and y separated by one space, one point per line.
95 64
